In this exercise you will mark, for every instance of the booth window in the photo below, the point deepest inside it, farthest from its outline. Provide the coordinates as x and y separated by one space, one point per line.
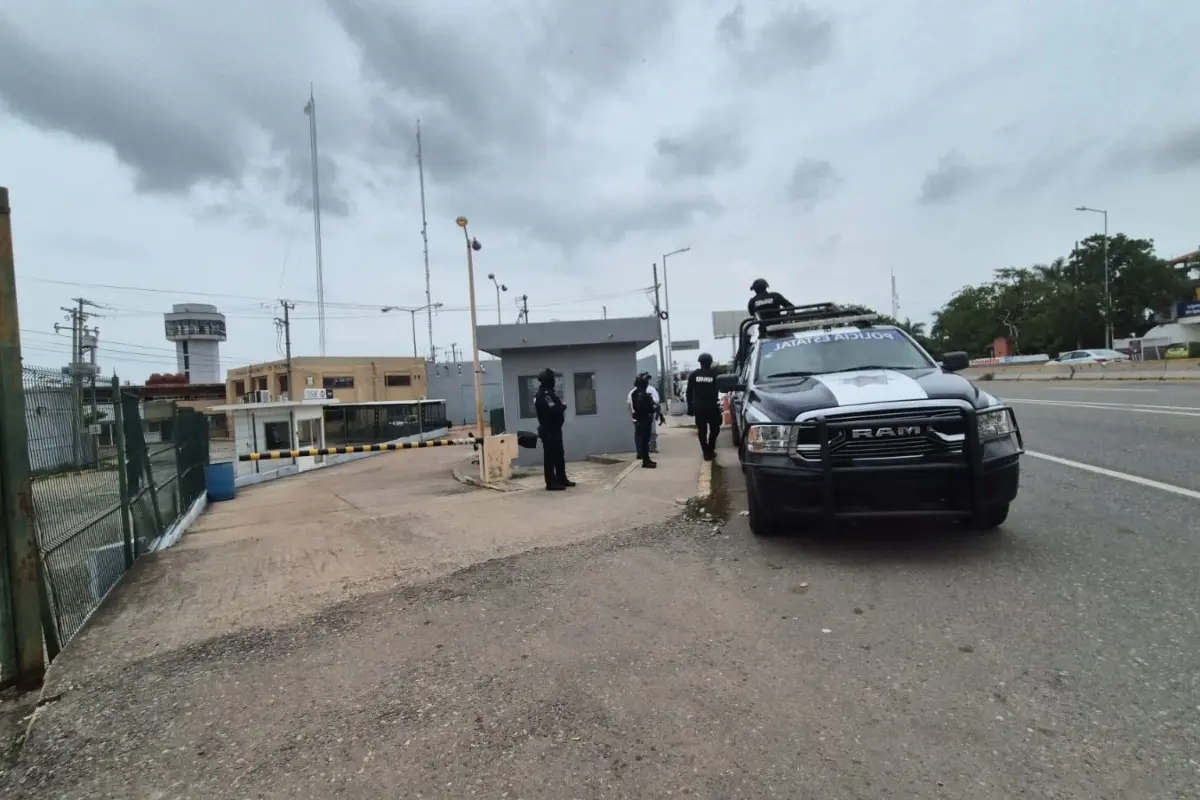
527 386
308 433
585 393
276 435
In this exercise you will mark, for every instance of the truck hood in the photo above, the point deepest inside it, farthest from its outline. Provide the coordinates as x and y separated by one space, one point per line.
784 400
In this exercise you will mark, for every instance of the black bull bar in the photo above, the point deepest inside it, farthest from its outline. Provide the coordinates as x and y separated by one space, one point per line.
971 461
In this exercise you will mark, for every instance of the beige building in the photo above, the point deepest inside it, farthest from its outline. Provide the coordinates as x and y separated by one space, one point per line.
353 379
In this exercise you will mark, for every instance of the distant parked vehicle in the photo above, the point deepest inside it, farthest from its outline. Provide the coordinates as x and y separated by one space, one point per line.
1100 356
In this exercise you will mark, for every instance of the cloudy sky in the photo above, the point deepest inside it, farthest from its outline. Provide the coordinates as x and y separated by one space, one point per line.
157 152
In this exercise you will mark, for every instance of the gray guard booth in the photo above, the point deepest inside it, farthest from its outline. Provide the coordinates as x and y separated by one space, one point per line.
595 360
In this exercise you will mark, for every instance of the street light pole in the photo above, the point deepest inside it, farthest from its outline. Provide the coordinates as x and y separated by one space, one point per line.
472 246
667 304
1108 327
500 287
413 312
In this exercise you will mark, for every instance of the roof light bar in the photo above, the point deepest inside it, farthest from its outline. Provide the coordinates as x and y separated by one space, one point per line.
827 322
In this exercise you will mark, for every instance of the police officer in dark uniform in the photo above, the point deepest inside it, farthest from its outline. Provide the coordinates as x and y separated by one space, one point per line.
765 304
704 404
644 409
551 413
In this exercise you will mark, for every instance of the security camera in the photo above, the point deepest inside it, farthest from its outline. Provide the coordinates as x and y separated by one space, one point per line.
475 245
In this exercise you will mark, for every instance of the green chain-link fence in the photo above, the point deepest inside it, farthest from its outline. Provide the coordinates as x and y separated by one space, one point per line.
103 494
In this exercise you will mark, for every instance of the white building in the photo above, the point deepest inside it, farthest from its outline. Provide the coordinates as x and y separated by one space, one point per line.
197 329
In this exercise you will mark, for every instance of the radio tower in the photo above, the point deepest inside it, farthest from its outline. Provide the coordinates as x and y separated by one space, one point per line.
425 239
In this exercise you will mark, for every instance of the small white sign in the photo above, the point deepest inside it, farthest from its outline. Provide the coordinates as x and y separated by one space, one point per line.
316 394
94 429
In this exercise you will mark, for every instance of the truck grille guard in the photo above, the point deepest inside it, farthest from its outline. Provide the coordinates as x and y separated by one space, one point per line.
951 452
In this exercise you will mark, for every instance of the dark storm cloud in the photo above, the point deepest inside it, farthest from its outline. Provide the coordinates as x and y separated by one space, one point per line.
791 40
950 179
494 120
1178 151
168 150
169 147
812 181
731 28
710 146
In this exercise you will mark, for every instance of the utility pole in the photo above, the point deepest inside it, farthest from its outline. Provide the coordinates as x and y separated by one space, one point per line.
662 358
429 304
310 108
286 325
80 336
524 317
453 352
22 660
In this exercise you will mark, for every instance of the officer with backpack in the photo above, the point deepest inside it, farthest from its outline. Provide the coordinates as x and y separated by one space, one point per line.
644 409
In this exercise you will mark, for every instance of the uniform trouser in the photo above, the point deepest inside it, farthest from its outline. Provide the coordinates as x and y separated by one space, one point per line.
708 426
641 434
654 434
554 460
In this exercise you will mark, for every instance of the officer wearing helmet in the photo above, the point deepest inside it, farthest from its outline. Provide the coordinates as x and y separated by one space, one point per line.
704 404
551 414
765 304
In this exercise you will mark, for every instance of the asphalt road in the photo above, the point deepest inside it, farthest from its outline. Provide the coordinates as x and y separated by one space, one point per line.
1144 428
1058 657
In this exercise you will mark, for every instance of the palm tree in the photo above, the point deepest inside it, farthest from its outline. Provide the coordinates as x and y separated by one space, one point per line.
913 329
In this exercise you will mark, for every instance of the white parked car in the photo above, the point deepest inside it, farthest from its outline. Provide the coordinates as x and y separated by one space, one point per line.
1100 356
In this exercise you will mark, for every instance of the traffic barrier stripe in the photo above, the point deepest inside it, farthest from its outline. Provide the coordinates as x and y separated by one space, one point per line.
353 448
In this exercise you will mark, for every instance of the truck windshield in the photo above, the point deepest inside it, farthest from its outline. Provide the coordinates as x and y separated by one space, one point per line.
837 352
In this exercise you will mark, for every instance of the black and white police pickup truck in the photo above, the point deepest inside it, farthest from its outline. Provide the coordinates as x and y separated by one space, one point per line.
836 418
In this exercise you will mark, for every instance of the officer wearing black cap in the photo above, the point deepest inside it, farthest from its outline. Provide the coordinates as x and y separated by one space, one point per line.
551 414
765 304
704 404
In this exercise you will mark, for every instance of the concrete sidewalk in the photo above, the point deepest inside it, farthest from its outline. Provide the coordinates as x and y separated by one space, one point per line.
284 556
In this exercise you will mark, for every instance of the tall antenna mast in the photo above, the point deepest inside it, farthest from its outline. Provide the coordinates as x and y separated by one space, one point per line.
425 239
895 298
310 108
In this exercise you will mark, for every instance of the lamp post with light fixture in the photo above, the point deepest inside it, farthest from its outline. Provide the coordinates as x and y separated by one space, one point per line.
473 246
1108 328
500 287
413 312
667 305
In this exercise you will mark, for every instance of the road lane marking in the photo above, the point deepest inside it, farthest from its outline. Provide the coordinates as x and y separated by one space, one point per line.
1122 476
1176 411
1096 389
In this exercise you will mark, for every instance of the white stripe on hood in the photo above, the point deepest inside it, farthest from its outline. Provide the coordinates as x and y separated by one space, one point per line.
871 386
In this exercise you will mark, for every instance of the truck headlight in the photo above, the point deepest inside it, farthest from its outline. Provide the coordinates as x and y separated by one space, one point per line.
768 438
995 424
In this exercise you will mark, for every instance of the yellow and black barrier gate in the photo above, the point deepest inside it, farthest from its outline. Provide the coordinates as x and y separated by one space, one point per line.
357 448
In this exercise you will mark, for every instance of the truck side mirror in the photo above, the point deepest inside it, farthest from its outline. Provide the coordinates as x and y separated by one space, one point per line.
955 361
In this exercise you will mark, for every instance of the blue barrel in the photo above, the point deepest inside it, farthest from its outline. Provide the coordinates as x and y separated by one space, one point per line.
219 480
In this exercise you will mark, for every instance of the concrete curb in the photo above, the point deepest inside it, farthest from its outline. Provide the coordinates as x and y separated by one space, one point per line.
704 485
622 475
1043 378
462 476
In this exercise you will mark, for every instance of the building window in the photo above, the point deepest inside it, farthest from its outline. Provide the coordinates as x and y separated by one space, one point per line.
338 382
260 383
398 380
277 435
585 393
527 386
239 389
283 384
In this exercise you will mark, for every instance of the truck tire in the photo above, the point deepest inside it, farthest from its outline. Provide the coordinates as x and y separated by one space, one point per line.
762 523
993 518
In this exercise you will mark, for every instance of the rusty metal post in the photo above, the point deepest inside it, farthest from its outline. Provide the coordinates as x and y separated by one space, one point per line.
22 658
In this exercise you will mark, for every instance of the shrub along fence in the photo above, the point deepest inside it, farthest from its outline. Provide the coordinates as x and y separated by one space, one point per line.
103 496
